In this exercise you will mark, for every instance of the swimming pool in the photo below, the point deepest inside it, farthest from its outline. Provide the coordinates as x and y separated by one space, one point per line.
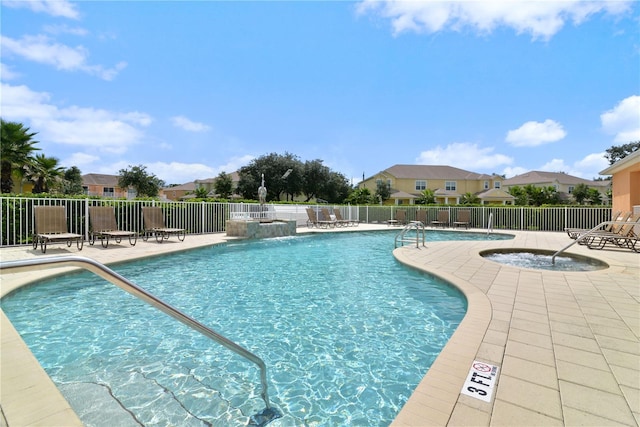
346 331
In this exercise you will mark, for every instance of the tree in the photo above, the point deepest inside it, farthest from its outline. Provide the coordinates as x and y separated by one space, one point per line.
45 173
520 195
383 192
616 153
469 199
594 196
336 188
72 183
427 197
314 179
274 167
201 193
359 196
580 193
137 177
16 147
223 185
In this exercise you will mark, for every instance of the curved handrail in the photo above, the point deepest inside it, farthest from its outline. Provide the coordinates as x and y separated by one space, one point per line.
581 237
420 230
135 290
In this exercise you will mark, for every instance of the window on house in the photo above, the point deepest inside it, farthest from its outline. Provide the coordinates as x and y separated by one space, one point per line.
450 185
421 185
85 189
571 187
486 185
497 184
389 184
108 192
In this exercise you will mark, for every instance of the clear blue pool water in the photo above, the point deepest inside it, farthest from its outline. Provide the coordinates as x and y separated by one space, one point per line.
345 330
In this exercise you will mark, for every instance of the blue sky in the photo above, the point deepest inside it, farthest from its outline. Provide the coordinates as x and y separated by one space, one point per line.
191 89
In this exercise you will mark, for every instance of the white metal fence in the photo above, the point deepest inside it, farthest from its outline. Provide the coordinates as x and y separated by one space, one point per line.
210 217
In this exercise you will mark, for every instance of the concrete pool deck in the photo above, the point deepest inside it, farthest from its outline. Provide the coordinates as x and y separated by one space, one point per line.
567 343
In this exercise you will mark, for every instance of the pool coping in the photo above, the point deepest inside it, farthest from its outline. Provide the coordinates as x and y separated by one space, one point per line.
492 331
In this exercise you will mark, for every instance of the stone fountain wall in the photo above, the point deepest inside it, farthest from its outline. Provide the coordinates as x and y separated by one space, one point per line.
258 230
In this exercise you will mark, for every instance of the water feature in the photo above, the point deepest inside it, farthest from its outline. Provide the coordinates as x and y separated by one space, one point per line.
542 259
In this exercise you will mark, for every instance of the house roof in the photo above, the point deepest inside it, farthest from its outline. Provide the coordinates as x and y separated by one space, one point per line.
543 177
623 163
100 179
402 195
495 194
433 172
189 186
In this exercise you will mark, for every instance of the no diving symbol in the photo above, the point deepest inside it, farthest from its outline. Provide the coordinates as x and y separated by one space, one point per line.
481 367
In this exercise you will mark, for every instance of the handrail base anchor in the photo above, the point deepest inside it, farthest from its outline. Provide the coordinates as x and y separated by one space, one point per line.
265 417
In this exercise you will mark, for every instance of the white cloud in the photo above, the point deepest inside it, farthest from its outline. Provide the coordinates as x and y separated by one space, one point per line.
532 134
623 120
6 73
510 172
61 8
464 155
43 50
81 160
588 167
97 129
180 173
186 124
65 29
541 19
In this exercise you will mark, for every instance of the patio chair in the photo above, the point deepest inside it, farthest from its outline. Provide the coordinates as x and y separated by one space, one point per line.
51 227
574 232
463 219
339 218
154 225
421 215
102 220
400 219
328 216
313 220
442 219
624 236
614 228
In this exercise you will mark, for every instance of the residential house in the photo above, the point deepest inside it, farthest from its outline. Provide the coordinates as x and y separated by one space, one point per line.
562 182
407 182
209 183
179 192
625 183
97 184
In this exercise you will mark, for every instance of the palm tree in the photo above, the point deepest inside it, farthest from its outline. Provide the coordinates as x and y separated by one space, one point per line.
44 172
16 147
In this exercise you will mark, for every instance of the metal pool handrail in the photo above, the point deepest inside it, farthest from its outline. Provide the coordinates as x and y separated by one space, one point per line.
123 283
581 237
420 234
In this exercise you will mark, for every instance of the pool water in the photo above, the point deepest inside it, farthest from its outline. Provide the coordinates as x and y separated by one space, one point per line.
543 260
345 331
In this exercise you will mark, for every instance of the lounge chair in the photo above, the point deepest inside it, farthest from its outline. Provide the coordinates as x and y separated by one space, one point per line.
463 219
574 232
328 216
154 225
421 215
51 227
339 218
104 227
442 219
313 220
613 228
400 219
625 235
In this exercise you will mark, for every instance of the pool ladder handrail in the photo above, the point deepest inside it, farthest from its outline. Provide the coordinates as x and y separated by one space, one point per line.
420 234
583 236
135 290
